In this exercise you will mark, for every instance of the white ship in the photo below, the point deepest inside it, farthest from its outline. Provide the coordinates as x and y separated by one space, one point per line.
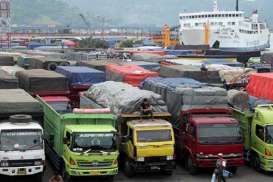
226 30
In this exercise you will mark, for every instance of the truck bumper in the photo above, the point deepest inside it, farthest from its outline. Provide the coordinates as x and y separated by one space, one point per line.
93 172
267 164
210 163
141 167
21 171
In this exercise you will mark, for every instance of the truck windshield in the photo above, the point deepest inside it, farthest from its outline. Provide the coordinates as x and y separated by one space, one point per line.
93 142
269 134
219 134
21 140
154 136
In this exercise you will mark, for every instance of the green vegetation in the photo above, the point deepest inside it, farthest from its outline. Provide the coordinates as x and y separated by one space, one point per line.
93 43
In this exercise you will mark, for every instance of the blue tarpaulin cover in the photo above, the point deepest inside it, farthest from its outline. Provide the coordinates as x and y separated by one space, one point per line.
80 75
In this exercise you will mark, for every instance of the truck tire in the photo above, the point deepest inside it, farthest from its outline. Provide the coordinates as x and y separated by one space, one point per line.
39 177
168 173
128 169
109 178
193 170
20 118
52 66
66 176
255 162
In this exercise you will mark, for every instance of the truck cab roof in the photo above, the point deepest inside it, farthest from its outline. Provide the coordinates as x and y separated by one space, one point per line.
199 120
265 114
90 128
147 123
10 126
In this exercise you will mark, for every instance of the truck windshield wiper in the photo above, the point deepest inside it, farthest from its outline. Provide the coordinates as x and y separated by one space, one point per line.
30 147
87 151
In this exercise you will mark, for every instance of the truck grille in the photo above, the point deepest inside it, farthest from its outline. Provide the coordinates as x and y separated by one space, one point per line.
155 159
95 164
22 163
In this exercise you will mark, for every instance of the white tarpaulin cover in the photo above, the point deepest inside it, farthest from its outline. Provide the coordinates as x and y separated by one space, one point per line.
123 98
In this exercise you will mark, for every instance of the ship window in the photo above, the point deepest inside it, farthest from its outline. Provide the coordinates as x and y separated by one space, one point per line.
262 26
233 23
209 16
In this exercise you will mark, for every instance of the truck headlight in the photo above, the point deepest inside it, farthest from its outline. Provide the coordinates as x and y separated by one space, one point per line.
4 164
140 159
38 163
169 157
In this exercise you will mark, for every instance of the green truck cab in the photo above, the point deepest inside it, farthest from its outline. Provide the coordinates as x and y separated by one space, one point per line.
147 144
81 143
257 128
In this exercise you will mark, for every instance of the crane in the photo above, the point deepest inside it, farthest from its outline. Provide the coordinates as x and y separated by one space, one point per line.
86 23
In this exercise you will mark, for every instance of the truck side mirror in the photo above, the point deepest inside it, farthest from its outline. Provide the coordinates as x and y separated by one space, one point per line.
124 139
65 140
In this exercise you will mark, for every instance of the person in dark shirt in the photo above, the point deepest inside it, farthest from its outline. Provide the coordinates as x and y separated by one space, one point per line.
146 108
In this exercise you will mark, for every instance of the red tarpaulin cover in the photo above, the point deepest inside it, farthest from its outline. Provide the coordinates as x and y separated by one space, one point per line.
261 85
131 74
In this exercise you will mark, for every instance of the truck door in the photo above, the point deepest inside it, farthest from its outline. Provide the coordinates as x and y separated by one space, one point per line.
67 144
130 144
190 139
180 133
259 139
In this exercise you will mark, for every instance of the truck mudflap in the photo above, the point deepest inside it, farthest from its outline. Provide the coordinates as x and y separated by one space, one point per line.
210 163
141 167
92 172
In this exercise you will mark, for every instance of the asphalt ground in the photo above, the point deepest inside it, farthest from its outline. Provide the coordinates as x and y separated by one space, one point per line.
244 174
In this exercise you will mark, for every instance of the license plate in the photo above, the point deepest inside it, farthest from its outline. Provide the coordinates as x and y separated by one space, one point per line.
21 172
94 173
155 168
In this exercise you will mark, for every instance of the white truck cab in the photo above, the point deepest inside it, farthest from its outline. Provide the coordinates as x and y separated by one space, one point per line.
21 149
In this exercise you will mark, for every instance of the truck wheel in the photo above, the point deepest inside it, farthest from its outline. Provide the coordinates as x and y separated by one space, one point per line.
168 173
255 162
190 166
110 178
39 177
66 176
128 170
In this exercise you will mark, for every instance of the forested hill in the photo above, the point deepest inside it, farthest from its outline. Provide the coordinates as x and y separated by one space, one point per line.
123 12
43 12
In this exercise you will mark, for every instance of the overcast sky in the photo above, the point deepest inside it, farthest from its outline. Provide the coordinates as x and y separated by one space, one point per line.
159 12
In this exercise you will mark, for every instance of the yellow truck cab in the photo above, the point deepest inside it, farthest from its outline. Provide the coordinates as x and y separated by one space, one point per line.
147 145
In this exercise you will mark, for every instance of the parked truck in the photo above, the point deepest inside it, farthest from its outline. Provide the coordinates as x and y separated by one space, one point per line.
201 134
257 130
146 143
80 78
21 135
202 121
82 142
43 82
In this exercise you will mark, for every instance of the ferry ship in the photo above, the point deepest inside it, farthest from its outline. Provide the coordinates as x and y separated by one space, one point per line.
225 30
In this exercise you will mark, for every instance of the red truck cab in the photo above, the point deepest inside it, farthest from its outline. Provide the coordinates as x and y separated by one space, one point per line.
201 134
61 104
